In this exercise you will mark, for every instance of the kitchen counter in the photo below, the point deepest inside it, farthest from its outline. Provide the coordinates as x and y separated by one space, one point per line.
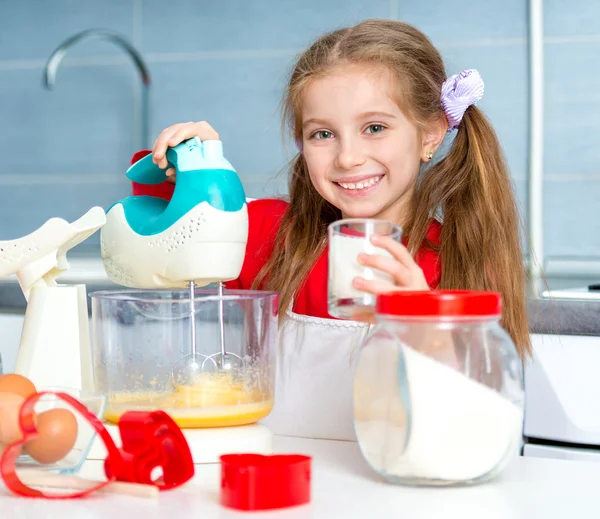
546 316
564 316
344 487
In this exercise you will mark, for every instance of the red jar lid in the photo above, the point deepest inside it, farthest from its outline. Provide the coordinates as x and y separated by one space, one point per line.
441 303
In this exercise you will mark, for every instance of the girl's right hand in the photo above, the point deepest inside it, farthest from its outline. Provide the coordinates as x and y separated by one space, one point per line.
174 135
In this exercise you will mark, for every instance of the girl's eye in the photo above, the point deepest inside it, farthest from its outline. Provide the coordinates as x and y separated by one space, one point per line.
375 128
323 134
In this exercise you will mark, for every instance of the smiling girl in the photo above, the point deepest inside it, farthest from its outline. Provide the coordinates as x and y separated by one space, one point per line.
369 106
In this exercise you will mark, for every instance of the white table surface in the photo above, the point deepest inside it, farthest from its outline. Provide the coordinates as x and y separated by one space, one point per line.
345 487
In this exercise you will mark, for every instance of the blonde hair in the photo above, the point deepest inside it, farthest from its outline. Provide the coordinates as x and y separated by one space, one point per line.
480 237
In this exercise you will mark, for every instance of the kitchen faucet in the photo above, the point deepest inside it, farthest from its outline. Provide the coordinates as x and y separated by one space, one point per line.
57 56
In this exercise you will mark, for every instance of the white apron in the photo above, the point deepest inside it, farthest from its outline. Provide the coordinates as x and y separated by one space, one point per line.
314 379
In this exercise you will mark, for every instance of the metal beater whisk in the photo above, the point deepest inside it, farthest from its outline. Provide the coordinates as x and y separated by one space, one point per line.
187 368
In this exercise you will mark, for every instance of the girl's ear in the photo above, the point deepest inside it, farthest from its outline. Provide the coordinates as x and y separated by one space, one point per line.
433 136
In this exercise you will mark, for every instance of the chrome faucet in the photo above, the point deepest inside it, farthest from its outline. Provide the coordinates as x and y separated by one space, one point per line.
57 56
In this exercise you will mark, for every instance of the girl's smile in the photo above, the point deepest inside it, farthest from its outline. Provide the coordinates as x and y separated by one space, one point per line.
361 185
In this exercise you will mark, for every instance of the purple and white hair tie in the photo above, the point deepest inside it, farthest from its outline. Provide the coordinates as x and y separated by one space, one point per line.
458 93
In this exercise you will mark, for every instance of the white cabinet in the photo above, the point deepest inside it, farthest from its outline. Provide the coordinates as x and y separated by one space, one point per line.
10 335
562 408
562 453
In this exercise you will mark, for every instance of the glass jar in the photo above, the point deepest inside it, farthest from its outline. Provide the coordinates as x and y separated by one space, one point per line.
140 337
438 389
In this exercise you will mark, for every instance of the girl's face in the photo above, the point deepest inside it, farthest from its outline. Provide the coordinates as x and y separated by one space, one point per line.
362 153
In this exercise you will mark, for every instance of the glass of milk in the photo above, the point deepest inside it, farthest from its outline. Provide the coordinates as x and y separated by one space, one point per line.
347 239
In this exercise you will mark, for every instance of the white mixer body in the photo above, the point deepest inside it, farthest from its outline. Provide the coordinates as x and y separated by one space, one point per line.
205 245
199 235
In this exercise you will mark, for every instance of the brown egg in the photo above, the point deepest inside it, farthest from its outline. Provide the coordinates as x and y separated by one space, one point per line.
10 404
17 384
57 430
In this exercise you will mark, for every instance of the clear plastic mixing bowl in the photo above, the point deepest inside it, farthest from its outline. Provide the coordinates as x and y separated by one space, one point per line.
138 336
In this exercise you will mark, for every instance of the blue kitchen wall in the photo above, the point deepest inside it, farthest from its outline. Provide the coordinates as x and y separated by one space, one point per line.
65 150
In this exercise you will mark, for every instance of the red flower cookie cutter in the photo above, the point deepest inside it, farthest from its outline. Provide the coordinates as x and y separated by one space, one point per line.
258 482
150 439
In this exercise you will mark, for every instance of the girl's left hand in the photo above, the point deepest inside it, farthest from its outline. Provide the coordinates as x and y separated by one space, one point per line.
402 268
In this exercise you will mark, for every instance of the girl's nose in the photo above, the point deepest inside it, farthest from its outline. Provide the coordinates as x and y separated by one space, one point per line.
349 156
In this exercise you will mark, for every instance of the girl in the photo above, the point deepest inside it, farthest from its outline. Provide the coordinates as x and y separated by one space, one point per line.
369 107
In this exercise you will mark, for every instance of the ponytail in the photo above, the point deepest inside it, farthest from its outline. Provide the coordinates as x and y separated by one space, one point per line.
480 239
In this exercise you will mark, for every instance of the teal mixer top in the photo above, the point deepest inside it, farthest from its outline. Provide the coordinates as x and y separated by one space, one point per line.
203 175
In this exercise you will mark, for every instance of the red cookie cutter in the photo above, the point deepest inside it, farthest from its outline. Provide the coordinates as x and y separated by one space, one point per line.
150 439
258 482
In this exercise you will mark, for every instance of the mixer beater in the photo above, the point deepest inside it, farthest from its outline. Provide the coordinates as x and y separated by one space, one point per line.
188 367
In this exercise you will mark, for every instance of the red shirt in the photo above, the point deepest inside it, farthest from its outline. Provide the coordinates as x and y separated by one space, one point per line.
264 218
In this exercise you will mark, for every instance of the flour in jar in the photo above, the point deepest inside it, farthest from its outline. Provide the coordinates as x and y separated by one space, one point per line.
344 266
453 429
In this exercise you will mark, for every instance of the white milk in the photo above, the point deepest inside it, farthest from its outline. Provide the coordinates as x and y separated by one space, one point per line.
344 267
459 429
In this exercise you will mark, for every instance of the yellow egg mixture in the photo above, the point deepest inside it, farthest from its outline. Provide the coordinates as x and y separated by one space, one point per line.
215 400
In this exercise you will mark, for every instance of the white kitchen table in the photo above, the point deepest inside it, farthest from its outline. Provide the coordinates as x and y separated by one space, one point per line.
344 487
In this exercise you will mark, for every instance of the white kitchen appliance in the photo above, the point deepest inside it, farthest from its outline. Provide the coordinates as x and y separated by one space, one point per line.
562 387
54 348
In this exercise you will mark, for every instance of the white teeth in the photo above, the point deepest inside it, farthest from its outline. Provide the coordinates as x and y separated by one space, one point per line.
361 185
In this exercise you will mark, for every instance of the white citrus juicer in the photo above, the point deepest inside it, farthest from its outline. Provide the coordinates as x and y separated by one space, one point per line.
54 349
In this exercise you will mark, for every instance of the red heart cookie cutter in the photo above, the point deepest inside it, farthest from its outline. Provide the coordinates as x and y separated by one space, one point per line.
150 439
258 482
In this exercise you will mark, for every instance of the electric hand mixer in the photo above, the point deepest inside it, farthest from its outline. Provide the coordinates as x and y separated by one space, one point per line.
157 247
197 238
